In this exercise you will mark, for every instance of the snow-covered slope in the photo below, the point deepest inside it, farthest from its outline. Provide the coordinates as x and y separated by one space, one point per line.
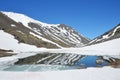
25 19
51 35
110 47
8 42
109 35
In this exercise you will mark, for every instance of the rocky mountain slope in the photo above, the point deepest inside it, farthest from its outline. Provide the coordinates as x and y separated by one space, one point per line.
109 35
33 32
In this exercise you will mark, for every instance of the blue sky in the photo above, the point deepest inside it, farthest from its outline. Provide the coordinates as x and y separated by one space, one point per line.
89 17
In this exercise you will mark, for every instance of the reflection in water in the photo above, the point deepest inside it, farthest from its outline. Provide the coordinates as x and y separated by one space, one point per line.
50 62
91 61
40 67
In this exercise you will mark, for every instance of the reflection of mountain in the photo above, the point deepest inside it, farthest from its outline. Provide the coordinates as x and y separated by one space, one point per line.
51 58
80 61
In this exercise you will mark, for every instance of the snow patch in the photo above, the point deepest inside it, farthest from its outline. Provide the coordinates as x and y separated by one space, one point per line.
115 31
8 42
13 25
44 39
25 19
105 37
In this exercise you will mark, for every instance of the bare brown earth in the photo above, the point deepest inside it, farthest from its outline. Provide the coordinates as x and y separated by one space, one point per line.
115 64
4 53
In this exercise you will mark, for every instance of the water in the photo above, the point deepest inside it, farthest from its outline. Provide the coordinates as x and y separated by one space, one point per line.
85 62
90 61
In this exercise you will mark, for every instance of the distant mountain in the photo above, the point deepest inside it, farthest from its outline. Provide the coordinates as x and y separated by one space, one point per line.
109 35
29 31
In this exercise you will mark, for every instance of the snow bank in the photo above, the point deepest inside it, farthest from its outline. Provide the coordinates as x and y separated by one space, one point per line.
111 47
8 42
106 73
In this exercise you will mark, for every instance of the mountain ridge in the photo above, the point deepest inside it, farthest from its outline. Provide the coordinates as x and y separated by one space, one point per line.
111 34
33 32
